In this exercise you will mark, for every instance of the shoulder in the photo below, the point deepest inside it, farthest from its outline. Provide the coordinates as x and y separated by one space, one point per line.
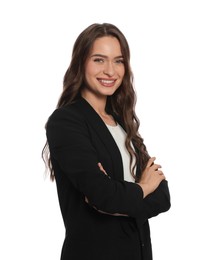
69 112
64 123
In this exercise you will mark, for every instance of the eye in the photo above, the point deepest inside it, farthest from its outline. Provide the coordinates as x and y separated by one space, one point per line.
99 60
119 61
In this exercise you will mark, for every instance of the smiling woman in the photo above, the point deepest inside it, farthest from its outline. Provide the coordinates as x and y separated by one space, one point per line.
108 185
104 70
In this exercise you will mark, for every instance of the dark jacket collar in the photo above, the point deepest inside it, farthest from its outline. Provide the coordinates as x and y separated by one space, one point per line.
100 127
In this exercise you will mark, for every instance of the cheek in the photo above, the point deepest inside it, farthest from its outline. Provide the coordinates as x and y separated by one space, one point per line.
91 69
122 72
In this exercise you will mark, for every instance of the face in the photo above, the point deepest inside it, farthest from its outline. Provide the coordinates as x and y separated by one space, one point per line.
104 68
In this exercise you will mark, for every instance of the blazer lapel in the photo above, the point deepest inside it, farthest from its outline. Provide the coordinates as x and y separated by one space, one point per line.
99 126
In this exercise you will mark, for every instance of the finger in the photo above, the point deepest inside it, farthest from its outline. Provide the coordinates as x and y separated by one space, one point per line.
151 161
156 166
163 177
160 173
101 168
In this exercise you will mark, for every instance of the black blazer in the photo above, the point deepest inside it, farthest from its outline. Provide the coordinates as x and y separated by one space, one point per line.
78 139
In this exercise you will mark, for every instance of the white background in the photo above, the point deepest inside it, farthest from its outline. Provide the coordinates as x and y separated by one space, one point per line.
173 48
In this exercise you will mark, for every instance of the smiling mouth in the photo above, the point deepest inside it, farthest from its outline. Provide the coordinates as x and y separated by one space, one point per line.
107 82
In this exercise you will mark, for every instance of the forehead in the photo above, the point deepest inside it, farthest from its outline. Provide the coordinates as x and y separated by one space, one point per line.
107 45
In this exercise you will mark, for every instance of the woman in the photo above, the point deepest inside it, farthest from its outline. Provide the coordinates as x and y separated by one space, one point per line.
108 186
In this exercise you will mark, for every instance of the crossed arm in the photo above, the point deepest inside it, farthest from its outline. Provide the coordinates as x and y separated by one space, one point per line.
156 197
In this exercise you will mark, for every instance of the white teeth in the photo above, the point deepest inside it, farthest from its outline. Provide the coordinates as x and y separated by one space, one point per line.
107 81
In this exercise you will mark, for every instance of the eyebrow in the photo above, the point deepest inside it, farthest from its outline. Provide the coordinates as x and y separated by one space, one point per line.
104 56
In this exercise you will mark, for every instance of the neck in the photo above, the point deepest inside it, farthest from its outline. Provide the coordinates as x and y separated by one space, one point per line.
97 102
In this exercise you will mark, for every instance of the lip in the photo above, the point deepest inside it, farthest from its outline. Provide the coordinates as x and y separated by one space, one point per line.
107 82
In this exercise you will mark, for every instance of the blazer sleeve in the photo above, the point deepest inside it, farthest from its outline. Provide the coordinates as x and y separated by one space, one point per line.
70 146
155 203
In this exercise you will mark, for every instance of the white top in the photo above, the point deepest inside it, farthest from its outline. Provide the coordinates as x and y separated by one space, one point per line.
119 136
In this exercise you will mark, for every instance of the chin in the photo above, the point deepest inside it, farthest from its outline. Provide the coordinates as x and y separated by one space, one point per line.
110 93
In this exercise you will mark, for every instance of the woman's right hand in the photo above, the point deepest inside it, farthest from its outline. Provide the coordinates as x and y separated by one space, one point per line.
151 177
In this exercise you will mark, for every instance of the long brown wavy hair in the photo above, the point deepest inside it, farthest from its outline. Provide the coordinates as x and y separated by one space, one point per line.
121 104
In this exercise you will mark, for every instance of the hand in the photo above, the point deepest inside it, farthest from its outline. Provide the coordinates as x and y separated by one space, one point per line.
101 168
151 177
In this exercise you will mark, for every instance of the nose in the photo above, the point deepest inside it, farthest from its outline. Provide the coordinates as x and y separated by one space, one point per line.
109 69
